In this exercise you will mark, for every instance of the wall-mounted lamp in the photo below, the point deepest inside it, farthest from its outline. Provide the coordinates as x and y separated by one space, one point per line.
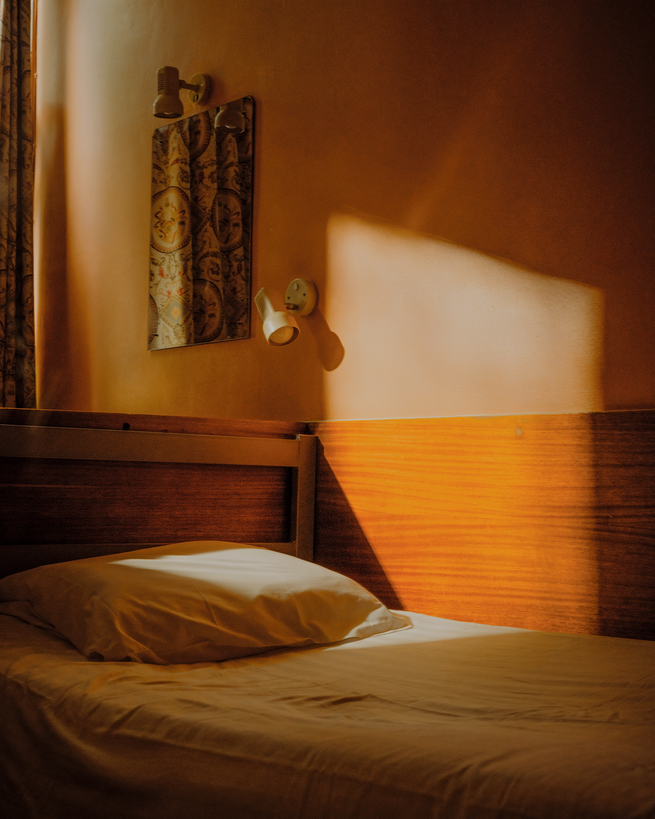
168 104
230 118
280 326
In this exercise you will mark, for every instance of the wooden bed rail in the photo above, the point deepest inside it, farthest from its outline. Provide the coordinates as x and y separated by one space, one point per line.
154 447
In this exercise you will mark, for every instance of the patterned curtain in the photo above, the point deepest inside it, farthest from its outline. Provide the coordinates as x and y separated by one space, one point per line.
200 232
17 372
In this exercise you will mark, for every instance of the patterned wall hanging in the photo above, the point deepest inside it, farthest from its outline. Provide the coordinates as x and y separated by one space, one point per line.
200 232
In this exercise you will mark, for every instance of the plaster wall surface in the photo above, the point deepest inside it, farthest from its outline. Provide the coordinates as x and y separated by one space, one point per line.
470 185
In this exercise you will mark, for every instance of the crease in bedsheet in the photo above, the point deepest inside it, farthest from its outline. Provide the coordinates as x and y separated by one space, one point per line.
328 724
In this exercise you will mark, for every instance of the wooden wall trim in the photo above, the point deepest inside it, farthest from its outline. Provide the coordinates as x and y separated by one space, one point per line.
542 521
152 423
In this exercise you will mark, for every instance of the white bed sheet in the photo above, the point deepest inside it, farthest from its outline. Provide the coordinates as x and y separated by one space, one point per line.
445 719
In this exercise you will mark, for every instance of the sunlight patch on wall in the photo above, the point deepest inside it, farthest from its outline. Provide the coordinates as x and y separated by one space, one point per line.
488 519
431 328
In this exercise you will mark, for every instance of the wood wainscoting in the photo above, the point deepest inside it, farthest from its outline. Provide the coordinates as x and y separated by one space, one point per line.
536 521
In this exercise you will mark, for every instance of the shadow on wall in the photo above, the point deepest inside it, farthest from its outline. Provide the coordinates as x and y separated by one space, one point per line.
329 348
430 328
624 485
340 543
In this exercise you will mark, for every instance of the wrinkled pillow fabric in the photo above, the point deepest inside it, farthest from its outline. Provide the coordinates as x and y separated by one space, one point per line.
201 601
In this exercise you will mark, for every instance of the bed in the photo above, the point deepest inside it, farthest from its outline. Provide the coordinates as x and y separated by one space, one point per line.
407 715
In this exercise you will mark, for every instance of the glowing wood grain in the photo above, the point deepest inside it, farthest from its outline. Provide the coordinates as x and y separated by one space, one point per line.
544 521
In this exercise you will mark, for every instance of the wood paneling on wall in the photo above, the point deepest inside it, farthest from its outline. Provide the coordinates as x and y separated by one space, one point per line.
543 521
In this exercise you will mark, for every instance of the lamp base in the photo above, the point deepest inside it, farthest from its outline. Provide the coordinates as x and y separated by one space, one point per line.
300 298
203 88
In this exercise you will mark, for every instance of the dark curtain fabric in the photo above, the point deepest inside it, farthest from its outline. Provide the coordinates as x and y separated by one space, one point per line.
17 370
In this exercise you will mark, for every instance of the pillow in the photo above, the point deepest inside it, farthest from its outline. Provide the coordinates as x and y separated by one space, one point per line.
194 602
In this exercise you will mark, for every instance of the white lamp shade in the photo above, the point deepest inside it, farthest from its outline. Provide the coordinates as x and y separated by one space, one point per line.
280 328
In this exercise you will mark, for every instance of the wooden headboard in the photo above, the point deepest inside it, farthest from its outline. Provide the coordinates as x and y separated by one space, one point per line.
82 484
538 521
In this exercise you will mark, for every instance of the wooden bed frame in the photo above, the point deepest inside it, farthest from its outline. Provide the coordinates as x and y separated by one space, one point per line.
541 521
83 484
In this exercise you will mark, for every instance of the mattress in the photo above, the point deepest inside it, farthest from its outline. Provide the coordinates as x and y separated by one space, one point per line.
444 719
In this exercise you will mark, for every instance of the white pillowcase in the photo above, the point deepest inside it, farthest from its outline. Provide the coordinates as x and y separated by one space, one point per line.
201 601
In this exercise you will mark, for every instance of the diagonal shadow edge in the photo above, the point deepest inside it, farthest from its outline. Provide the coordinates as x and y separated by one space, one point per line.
339 541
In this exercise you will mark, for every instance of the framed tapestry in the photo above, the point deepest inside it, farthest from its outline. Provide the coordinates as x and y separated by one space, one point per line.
200 231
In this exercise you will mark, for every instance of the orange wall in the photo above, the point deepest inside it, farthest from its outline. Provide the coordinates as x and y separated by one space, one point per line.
519 131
